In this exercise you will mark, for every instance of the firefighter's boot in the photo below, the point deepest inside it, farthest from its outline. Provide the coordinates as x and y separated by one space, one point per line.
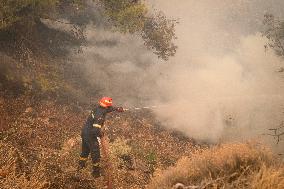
82 163
96 171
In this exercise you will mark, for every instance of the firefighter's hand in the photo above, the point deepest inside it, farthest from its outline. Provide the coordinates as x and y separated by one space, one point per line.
120 109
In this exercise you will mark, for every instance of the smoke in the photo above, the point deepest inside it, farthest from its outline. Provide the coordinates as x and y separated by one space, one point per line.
221 85
240 93
118 66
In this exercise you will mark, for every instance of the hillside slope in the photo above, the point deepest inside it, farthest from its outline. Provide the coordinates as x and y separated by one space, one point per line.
40 146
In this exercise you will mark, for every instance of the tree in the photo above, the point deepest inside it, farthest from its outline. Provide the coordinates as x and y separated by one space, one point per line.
126 16
274 31
16 11
158 35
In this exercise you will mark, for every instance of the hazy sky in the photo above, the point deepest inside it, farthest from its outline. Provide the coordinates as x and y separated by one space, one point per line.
218 24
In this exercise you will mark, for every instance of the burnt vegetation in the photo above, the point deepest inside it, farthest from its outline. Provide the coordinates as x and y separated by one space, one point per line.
44 102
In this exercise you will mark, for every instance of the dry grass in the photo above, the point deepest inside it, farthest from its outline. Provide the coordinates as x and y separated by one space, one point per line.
41 148
11 175
268 178
236 165
23 182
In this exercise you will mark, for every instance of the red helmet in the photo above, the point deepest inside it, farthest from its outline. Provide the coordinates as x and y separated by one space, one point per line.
106 102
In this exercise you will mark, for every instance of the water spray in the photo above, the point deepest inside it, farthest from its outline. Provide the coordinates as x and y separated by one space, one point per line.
141 108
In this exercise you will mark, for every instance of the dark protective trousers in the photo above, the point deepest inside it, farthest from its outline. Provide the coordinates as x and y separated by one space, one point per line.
90 145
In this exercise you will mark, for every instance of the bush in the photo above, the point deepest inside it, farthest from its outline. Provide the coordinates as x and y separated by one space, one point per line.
157 31
13 11
12 168
119 151
227 166
126 16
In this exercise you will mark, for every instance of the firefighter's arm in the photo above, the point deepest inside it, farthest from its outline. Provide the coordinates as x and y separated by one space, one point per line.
120 109
117 109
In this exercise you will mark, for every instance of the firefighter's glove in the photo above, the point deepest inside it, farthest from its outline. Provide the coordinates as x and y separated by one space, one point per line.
99 140
120 109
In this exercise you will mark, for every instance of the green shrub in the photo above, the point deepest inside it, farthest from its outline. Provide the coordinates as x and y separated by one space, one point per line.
121 153
157 31
13 11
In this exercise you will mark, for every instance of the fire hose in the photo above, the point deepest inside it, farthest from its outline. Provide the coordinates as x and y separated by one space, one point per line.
108 165
105 151
140 108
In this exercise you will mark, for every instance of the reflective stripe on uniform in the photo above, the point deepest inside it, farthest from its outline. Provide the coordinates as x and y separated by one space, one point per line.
83 158
97 126
96 164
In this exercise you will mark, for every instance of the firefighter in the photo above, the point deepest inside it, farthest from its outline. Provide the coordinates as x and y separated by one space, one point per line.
92 130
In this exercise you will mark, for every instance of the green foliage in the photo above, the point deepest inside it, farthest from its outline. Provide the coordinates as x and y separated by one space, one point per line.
158 34
12 11
121 153
151 159
46 84
126 15
157 31
120 148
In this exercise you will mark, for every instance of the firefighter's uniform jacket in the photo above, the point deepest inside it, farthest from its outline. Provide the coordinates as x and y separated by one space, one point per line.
93 129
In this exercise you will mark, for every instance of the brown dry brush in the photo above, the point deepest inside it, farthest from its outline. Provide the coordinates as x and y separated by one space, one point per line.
139 146
47 168
243 165
40 149
12 164
41 145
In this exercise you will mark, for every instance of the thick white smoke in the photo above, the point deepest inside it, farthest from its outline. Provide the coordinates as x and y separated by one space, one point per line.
241 92
221 85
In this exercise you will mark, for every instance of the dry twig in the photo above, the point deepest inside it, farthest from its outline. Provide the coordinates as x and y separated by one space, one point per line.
277 132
